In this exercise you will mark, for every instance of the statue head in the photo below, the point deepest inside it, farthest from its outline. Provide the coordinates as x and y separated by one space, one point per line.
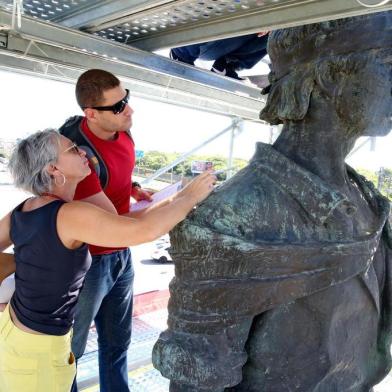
347 62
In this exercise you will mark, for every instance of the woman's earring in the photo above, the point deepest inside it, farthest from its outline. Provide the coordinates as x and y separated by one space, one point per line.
57 183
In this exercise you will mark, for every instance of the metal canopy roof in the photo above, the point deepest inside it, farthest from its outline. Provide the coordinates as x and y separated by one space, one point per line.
101 33
155 24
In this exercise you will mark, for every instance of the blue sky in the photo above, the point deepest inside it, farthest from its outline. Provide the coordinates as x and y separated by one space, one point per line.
30 103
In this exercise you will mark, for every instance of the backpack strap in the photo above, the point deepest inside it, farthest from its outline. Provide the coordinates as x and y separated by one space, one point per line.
72 129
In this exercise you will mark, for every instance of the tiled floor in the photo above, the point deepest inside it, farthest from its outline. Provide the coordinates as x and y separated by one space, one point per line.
142 376
144 379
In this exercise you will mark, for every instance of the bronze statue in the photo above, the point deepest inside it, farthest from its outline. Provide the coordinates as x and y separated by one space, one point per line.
283 276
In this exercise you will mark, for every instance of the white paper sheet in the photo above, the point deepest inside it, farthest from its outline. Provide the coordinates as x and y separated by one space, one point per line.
157 197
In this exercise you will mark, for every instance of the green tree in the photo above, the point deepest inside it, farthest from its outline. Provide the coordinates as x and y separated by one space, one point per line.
374 177
155 160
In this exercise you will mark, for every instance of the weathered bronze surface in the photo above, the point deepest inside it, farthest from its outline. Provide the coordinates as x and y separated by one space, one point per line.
283 276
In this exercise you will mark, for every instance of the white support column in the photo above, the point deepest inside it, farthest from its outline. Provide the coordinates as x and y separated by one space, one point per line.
271 134
237 128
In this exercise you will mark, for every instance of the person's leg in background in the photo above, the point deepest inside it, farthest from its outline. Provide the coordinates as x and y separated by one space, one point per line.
114 327
249 53
186 54
207 51
214 50
97 284
242 53
229 55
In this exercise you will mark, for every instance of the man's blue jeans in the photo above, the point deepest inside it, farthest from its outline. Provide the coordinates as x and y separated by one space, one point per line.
106 298
241 52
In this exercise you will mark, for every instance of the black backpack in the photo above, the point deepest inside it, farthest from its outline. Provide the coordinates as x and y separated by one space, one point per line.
72 129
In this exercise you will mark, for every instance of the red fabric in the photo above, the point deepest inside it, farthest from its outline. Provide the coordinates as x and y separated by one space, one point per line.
119 157
89 186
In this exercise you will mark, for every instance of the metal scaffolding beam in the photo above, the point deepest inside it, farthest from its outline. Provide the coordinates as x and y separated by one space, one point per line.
51 69
155 24
103 12
157 77
45 48
281 15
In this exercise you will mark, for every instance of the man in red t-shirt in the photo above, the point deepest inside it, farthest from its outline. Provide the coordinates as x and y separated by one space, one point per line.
107 294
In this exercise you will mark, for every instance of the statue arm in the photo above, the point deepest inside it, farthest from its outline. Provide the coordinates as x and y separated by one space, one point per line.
202 358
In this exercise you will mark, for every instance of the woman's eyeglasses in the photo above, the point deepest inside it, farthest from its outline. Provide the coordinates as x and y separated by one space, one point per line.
73 148
118 107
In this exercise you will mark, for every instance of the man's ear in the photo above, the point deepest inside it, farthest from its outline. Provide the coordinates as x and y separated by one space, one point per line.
90 114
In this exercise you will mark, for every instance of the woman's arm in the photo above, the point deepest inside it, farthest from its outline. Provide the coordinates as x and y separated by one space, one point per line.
5 224
7 265
140 213
81 222
7 262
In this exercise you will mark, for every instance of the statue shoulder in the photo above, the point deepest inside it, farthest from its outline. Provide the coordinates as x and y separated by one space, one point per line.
238 205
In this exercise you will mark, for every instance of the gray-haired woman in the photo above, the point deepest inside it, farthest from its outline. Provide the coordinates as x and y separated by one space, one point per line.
50 233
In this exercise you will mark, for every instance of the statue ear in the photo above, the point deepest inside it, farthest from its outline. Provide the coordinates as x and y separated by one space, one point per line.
289 98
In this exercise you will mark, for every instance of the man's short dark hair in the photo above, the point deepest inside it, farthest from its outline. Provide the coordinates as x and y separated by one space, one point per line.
92 84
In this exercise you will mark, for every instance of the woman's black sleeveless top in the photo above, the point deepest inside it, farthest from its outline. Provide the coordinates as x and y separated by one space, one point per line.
48 276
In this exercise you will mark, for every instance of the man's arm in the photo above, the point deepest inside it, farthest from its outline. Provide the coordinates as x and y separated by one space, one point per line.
102 201
90 191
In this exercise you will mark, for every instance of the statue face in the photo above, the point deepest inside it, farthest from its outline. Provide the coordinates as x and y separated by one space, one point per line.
366 100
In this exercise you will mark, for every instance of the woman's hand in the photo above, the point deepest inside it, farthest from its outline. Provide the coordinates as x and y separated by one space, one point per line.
199 188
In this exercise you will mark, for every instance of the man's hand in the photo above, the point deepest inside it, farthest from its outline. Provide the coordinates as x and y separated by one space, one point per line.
140 194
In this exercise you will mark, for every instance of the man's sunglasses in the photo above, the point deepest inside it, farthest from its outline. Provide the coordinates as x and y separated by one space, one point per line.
117 108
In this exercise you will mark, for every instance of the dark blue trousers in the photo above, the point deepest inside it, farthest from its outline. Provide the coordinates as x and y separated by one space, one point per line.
107 298
239 52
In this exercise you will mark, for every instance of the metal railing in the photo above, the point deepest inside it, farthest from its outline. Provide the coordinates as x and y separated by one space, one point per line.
168 177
